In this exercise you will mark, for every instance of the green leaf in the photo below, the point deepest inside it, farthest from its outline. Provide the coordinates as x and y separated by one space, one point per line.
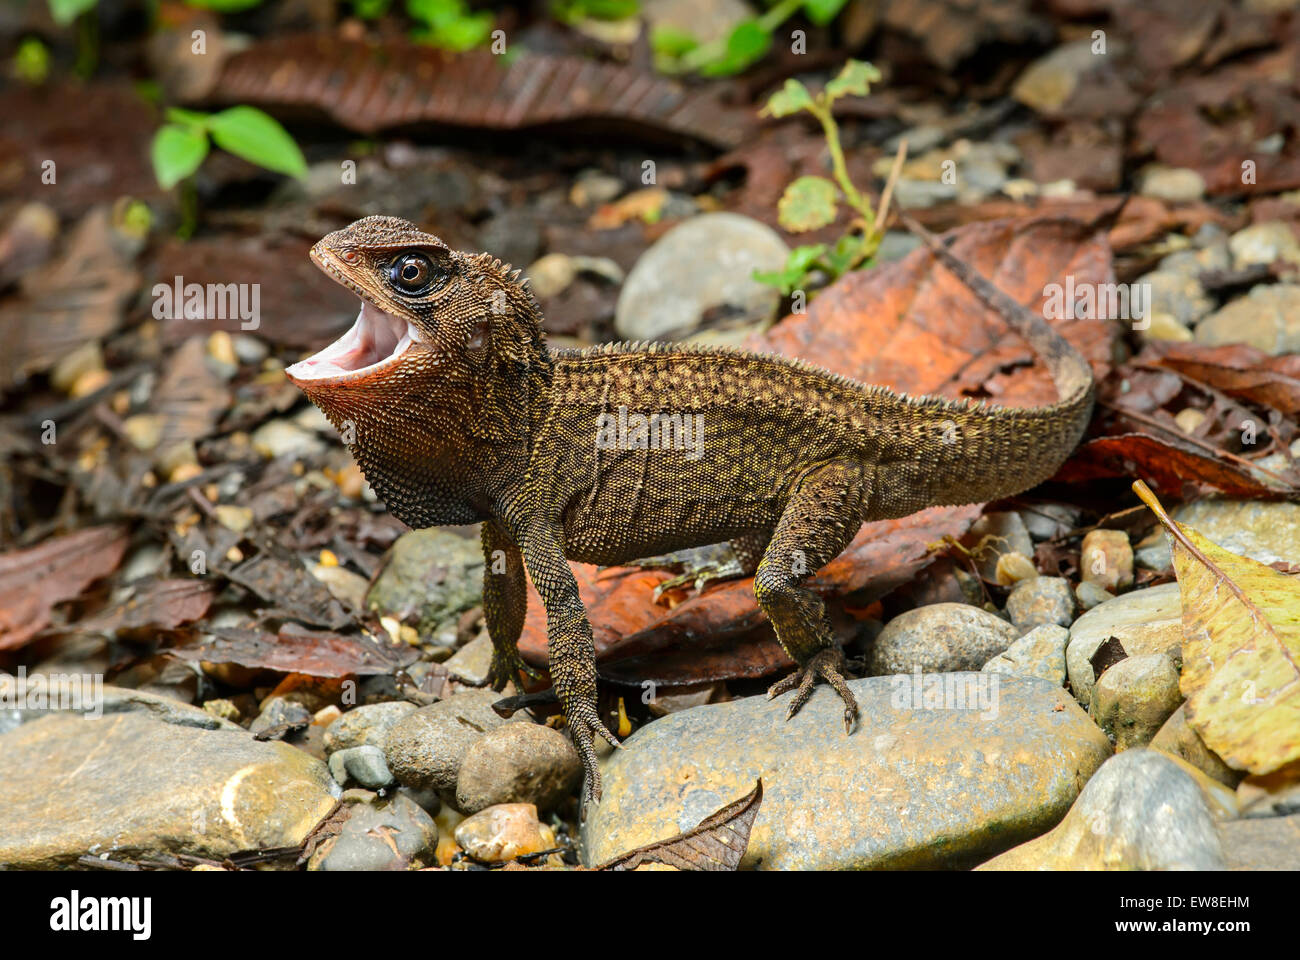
609 9
747 43
65 11
32 62
802 259
845 253
188 118
797 265
791 98
466 33
856 79
370 9
436 13
668 41
249 133
176 153
224 6
808 203
822 12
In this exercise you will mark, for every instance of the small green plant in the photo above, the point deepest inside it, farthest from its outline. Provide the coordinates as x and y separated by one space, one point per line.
572 11
31 63
809 202
676 51
181 144
65 11
371 9
224 6
449 24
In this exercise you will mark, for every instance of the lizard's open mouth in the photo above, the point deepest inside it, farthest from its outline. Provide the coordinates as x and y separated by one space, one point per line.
377 340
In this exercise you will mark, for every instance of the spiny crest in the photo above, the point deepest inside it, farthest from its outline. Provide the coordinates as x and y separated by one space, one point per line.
510 277
720 351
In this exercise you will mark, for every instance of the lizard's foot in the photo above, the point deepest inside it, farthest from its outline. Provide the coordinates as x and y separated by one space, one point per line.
828 665
506 667
584 724
697 566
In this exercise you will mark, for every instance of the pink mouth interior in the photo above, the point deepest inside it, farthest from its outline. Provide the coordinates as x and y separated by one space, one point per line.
376 339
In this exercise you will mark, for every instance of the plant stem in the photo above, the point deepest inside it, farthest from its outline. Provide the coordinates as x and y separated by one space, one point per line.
189 209
822 111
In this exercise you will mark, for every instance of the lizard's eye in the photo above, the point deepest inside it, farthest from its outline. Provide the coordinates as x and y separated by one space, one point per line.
412 272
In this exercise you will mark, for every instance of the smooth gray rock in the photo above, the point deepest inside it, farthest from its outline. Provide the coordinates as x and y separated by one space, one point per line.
277 712
62 694
939 637
1149 620
1264 243
1039 653
517 763
910 787
1133 699
1262 844
702 265
390 834
1268 318
126 786
432 576
1040 601
424 749
364 765
1140 811
1044 521
366 724
1091 594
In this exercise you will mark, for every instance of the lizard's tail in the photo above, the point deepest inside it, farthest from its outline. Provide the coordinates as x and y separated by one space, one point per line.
992 452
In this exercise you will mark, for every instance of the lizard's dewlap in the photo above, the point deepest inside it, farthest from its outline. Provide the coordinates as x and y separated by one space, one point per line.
376 340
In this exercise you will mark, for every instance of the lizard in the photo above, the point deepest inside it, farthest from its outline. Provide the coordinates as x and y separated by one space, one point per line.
458 411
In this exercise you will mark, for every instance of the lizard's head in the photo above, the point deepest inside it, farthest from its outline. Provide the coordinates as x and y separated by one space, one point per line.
436 326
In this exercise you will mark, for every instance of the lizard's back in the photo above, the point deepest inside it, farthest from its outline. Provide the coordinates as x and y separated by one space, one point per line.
654 447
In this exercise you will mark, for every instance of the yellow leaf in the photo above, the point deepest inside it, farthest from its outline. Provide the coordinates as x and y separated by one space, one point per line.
1241 649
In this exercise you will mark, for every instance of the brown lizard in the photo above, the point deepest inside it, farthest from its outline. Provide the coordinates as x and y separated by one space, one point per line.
457 412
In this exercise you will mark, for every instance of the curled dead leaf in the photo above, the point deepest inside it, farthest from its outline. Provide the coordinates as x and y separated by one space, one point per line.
718 843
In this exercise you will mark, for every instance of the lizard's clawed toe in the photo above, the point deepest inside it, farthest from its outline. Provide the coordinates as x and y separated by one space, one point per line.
827 665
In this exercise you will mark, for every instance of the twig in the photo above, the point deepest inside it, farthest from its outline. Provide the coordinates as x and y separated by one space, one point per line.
888 193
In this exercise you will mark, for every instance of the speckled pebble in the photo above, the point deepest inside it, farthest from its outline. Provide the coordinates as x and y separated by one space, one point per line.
939 637
1134 698
1039 601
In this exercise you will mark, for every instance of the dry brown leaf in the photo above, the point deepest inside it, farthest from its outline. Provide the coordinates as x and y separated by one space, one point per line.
718 843
32 581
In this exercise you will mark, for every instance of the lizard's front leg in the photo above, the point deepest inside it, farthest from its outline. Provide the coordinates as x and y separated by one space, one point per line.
569 643
505 603
821 518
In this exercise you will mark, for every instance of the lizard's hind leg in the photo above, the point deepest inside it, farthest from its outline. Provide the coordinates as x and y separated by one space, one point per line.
821 517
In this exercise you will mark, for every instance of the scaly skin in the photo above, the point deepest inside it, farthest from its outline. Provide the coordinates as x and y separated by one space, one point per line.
480 422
